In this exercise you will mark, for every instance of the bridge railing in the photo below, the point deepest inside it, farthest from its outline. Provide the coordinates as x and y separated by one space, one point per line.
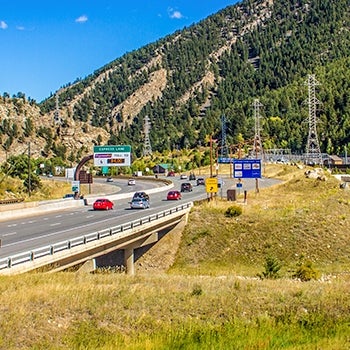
50 250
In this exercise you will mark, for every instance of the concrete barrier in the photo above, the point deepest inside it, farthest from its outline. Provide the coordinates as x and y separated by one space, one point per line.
36 208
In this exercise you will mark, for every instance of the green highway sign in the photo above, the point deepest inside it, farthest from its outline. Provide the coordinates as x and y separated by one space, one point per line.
112 155
111 148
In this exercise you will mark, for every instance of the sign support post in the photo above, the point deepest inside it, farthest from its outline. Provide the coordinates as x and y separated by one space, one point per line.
247 168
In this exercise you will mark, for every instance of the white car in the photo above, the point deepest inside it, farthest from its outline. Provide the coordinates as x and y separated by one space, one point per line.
183 177
139 203
131 182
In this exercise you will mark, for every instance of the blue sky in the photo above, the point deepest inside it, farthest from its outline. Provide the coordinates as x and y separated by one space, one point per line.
47 44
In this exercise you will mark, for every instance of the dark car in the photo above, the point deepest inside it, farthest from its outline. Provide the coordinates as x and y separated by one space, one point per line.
186 187
102 204
68 195
173 195
200 181
192 177
141 195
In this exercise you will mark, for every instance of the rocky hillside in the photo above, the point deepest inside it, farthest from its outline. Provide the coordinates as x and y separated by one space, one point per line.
22 123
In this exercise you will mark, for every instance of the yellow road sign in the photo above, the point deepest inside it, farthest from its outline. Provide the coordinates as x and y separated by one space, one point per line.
211 185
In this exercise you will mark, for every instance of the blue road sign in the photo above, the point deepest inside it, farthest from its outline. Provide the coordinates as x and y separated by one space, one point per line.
247 168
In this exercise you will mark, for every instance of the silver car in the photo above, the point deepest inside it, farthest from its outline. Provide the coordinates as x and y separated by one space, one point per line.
139 203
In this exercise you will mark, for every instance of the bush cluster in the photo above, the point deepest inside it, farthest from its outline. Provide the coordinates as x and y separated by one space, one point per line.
306 272
233 211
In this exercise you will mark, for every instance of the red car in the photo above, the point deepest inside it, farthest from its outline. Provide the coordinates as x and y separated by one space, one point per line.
173 195
102 204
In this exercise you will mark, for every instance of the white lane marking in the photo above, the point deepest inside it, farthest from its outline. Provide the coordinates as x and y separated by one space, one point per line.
9 234
28 222
127 213
12 225
56 233
55 224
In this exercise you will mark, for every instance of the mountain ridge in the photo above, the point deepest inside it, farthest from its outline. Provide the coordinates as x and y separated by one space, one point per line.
186 81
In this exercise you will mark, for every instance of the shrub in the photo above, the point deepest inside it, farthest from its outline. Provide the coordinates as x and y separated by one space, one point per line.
272 267
306 272
197 290
233 211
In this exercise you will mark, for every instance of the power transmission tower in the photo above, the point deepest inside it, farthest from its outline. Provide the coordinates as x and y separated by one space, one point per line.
147 148
313 151
57 118
258 151
224 149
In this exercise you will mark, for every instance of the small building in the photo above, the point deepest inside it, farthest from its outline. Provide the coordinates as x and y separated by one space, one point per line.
161 168
333 160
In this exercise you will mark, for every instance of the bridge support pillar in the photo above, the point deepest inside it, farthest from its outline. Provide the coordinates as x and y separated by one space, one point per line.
129 251
186 218
129 261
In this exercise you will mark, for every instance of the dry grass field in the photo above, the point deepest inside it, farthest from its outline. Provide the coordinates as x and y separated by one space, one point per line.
300 219
215 294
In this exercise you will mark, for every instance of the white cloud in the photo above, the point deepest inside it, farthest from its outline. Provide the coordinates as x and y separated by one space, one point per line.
3 25
174 13
20 28
81 19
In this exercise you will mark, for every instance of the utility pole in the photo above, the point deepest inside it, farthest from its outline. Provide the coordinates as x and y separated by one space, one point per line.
224 149
211 155
313 151
29 171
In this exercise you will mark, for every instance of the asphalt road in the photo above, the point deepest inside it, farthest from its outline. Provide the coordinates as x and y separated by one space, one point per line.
25 234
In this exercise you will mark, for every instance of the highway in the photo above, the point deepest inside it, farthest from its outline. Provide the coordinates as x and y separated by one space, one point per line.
24 234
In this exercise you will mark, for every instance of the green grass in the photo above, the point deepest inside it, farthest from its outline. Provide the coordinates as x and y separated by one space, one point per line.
211 297
113 311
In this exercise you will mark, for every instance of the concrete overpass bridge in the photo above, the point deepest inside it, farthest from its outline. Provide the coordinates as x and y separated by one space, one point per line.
84 249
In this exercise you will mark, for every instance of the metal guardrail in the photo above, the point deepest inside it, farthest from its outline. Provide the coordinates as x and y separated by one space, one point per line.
11 201
29 256
345 178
